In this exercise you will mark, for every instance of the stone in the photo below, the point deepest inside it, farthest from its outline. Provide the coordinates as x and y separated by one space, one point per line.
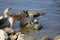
57 38
2 21
20 36
33 26
13 37
29 26
45 38
37 27
3 35
35 13
28 37
24 30
9 30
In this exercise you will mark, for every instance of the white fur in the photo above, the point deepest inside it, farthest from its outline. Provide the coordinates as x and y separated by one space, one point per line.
6 12
1 17
11 20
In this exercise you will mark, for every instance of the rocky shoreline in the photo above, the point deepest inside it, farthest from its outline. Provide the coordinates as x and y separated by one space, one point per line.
9 34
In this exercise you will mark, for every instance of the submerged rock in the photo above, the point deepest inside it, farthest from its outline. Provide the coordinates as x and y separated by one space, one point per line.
33 14
3 35
10 31
24 30
57 38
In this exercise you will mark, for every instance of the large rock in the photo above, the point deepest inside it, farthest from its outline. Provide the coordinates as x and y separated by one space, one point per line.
3 35
33 26
10 31
57 38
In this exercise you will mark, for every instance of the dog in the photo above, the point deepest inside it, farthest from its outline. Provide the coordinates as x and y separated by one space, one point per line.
12 17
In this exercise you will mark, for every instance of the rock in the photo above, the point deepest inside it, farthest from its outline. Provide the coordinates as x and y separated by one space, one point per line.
57 38
20 36
3 35
2 21
24 30
33 26
37 27
28 37
9 30
45 38
29 26
13 37
3 26
24 36
33 14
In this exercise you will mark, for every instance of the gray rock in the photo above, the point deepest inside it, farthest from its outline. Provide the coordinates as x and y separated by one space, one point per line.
13 37
3 35
9 30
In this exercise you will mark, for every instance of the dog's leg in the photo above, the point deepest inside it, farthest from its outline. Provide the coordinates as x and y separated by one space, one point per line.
22 23
11 21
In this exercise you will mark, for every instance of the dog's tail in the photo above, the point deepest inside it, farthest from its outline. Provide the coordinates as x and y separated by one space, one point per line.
6 11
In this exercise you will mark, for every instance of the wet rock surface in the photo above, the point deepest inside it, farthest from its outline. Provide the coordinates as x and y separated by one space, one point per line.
57 37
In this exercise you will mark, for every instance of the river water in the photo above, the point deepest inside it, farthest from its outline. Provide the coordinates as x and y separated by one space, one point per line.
50 21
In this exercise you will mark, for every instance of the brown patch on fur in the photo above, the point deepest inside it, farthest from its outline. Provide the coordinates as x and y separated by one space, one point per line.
19 17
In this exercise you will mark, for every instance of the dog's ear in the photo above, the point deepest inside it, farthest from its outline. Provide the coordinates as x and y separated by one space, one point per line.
24 11
27 14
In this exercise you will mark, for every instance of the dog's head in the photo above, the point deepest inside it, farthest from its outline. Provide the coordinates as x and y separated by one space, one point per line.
26 13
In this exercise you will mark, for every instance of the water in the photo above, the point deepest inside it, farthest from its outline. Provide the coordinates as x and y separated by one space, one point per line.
50 21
